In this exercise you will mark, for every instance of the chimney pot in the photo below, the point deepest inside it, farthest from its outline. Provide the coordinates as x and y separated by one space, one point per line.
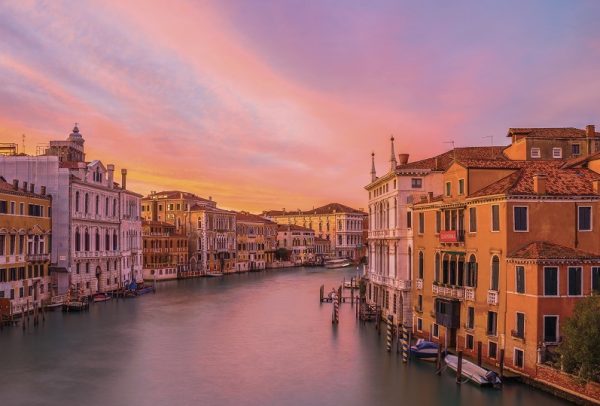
429 197
124 178
43 190
539 184
24 186
590 130
403 159
596 186
16 184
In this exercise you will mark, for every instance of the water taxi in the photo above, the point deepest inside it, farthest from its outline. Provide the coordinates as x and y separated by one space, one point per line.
338 263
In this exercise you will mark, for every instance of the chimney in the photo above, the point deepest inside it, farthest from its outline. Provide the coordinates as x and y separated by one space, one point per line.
403 159
590 130
24 186
111 175
429 197
124 178
539 184
437 163
32 188
596 186
43 190
210 198
16 184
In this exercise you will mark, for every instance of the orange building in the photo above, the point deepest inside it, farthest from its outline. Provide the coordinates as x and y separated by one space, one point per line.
165 252
501 257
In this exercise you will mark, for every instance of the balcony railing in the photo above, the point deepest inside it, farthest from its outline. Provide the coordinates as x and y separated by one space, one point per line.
450 236
389 281
454 292
470 294
38 257
420 284
492 297
517 334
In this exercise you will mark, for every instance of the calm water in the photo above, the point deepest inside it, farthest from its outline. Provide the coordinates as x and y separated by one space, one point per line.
249 339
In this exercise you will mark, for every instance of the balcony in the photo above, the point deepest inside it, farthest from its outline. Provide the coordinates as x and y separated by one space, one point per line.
517 334
389 281
453 292
420 284
38 257
452 236
492 297
470 294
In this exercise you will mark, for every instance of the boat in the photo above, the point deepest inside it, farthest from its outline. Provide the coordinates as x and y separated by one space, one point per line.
142 290
76 305
338 263
101 297
473 372
214 274
425 350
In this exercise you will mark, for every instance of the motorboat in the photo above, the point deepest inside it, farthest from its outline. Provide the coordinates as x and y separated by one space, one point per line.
101 297
338 263
425 350
214 274
473 372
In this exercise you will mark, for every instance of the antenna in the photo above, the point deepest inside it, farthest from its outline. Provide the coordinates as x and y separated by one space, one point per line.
491 137
23 141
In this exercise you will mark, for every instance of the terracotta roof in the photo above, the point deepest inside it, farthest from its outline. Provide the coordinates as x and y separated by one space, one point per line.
178 194
443 161
566 132
6 187
581 160
559 181
292 227
547 250
491 164
157 223
249 217
327 209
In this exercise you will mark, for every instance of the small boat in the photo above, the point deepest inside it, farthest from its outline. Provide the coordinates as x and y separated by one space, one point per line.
338 263
473 372
142 290
101 297
75 306
425 350
214 274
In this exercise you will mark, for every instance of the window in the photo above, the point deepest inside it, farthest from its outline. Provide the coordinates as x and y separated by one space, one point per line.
550 281
596 279
421 265
521 219
550 329
492 322
436 276
22 209
518 358
416 183
408 219
438 221
97 204
557 152
494 284
435 330
471 279
520 325
419 324
420 303
448 188
3 207
86 203
421 223
469 342
461 186
470 317
520 279
575 149
13 207
584 218
535 153
472 219
575 281
492 349
495 217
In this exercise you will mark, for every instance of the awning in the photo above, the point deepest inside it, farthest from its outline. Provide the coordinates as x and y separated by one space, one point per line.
454 252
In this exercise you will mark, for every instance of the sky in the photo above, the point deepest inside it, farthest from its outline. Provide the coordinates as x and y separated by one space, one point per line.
279 103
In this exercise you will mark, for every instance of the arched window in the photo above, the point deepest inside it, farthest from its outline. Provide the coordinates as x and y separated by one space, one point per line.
494 285
421 264
97 204
106 207
437 267
409 263
97 240
114 213
115 242
472 272
77 240
86 203
77 201
107 241
87 240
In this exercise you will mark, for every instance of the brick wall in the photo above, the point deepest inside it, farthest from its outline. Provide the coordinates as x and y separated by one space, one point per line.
568 383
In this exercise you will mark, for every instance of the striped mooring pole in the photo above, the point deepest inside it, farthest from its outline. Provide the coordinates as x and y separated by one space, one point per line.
336 309
404 343
390 326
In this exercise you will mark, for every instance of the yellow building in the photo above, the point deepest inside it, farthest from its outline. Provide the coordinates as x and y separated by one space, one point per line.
25 238
165 251
213 238
251 234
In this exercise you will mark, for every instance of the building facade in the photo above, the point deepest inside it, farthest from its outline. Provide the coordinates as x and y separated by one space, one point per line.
298 241
341 225
165 252
252 241
25 238
214 239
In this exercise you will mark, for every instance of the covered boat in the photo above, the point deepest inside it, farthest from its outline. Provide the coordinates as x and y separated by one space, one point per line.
473 372
101 297
338 263
425 350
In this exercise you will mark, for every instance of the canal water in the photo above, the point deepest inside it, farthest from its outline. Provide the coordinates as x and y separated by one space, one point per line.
246 339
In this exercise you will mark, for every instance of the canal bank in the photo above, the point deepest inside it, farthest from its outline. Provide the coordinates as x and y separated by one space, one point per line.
242 339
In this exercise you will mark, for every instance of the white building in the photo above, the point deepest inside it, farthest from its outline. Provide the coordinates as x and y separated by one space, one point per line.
87 214
390 239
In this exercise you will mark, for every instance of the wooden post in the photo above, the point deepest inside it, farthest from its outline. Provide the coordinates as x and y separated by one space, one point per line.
459 366
321 293
438 365
340 291
502 363
479 345
409 341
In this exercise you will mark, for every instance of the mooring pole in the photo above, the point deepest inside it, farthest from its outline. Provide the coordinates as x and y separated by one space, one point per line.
459 366
390 324
502 363
479 344
404 343
438 366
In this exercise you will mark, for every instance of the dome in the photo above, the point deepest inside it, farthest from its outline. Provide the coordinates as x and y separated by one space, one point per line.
75 135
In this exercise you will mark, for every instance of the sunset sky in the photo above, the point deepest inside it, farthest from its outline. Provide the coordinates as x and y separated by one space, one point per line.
272 104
